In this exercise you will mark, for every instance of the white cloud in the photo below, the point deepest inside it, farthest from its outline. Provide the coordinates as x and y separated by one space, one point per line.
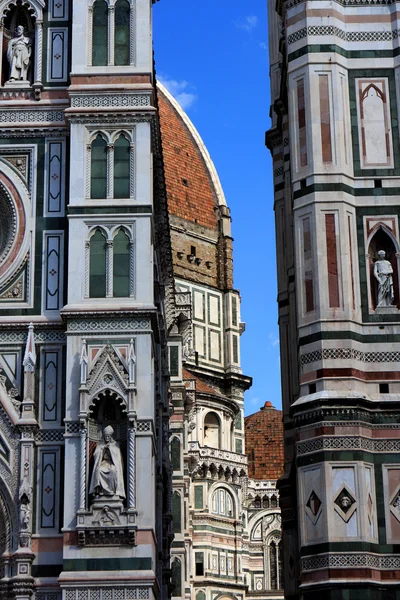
246 23
273 339
182 91
263 46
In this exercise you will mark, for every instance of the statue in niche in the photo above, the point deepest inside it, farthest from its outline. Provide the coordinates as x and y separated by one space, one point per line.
383 272
19 55
107 477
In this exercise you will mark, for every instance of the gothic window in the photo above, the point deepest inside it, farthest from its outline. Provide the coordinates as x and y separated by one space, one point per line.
110 164
98 171
176 577
100 34
176 512
121 166
274 501
122 26
97 273
222 503
176 454
121 259
110 261
111 42
212 430
275 564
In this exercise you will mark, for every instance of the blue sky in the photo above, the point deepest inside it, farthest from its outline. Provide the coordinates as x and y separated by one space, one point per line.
213 57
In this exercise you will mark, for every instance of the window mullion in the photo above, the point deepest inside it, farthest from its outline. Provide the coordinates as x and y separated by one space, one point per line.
110 269
90 36
110 171
131 269
111 30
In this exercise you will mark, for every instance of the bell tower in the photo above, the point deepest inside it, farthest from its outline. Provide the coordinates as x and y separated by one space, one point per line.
334 142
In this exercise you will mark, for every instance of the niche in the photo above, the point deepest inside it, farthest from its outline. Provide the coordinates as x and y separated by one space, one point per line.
18 15
382 241
106 411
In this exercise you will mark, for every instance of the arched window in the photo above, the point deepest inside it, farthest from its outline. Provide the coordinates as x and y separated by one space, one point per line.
257 502
275 564
176 512
176 454
100 34
176 577
222 503
274 501
122 167
212 430
98 171
200 596
265 502
122 29
97 269
121 261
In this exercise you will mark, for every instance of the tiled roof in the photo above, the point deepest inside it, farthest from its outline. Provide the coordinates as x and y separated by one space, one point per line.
264 443
190 190
201 386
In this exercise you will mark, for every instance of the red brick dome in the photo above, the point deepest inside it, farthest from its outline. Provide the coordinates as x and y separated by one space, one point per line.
264 443
193 187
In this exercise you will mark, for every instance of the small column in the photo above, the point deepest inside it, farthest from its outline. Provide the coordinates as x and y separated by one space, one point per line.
38 52
87 268
82 485
132 33
109 268
110 170
111 23
131 268
132 170
90 35
131 466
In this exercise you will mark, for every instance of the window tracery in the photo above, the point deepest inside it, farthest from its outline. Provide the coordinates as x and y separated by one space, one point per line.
109 263
111 33
110 165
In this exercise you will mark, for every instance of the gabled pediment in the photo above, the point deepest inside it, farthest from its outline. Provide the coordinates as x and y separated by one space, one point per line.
108 372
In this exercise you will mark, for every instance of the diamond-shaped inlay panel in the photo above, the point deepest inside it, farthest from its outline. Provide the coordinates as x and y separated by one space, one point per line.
345 501
314 503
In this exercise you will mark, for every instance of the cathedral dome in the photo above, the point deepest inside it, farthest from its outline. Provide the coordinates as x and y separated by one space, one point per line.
193 187
264 443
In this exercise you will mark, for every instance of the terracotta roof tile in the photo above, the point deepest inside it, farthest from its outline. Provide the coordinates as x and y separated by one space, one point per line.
189 190
264 443
201 386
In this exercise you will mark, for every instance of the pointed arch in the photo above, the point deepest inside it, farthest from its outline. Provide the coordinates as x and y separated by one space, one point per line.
121 265
97 262
122 166
98 168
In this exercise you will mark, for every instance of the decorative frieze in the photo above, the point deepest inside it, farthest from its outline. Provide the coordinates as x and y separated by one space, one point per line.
106 593
76 326
348 36
105 100
348 443
351 560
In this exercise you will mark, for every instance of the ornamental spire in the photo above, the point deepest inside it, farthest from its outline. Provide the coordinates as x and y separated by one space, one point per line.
30 352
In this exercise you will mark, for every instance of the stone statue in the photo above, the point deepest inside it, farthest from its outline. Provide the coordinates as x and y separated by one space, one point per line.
19 55
107 477
383 272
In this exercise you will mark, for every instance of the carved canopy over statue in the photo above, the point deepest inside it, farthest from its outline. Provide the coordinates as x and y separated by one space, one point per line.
19 55
107 477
